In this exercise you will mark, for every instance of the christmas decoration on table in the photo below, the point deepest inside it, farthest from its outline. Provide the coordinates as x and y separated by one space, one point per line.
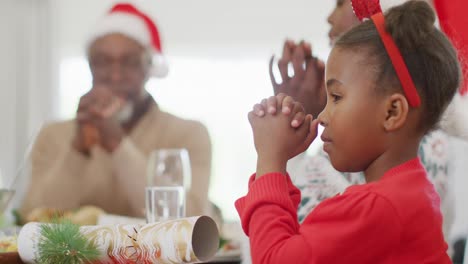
186 240
64 243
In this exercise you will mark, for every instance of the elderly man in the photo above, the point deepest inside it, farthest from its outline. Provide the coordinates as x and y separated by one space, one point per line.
99 158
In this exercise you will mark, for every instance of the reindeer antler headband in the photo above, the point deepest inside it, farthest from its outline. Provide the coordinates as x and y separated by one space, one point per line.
365 9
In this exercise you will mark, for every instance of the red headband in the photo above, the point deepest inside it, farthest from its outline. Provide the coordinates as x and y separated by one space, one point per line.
397 60
371 9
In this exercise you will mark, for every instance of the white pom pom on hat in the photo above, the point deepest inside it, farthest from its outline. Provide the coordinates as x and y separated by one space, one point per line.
127 20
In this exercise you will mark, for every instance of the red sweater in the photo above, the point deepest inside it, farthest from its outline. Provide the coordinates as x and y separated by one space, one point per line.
394 220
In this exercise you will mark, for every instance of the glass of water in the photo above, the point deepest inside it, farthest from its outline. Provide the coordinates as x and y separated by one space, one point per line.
169 176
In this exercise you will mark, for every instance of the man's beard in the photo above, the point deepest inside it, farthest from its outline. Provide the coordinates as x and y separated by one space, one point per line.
126 112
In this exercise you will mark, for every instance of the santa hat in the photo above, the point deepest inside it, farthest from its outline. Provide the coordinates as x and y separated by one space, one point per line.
126 19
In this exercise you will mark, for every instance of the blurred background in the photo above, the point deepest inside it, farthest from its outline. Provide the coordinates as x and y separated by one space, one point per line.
218 53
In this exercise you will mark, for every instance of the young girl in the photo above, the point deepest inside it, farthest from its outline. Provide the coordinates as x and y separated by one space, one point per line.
313 174
375 117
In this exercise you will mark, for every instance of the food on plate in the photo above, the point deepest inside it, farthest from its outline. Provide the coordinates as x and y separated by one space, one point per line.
8 244
86 215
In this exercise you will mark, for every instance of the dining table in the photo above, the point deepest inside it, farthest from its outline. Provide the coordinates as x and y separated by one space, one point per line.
14 258
225 255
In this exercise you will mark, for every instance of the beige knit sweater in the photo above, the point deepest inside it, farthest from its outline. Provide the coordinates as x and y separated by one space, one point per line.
65 179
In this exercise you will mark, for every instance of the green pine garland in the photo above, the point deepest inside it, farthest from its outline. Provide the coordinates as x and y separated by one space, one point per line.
63 243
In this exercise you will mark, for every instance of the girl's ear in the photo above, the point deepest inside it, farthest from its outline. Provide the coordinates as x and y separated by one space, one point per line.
396 108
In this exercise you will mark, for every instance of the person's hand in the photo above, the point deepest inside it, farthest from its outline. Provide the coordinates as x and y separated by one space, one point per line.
280 103
96 121
307 84
86 134
281 135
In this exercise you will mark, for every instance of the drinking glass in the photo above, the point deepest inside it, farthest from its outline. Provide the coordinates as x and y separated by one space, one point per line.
6 193
169 177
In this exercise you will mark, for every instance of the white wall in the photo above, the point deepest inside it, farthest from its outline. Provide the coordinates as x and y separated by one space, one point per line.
26 83
207 26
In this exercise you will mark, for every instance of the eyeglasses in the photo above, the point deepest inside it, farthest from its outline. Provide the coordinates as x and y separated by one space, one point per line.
104 65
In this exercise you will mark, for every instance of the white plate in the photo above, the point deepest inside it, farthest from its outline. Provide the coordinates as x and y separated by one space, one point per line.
231 255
